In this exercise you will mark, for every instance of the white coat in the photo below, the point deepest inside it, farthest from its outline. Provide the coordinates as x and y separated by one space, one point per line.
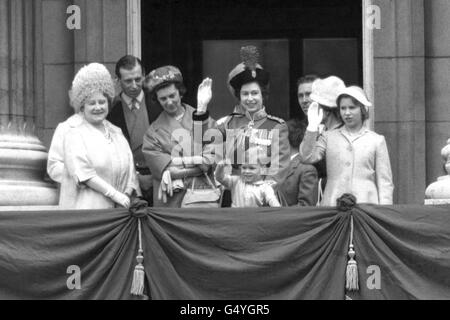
88 153
55 162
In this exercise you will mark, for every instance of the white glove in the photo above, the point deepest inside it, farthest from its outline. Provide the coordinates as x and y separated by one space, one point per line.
162 195
121 199
118 197
204 95
188 161
315 116
197 160
167 178
165 188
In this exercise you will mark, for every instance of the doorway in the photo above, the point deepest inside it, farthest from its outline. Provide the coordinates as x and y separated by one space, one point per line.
299 37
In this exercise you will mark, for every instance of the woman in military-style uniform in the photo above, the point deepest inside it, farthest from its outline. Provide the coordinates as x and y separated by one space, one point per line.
249 124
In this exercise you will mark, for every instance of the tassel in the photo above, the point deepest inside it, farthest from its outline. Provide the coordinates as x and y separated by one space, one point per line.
344 204
352 272
137 286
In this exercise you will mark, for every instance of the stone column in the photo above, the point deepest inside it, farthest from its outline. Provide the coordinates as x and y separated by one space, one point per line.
22 156
103 36
437 44
399 72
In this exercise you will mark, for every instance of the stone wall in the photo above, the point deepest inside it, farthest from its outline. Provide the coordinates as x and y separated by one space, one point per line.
61 52
411 63
399 81
437 88
412 90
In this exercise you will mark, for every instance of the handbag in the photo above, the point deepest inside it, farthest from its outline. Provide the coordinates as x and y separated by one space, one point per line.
202 198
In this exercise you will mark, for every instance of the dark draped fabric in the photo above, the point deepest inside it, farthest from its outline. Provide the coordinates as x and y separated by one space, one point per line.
265 253
410 244
37 248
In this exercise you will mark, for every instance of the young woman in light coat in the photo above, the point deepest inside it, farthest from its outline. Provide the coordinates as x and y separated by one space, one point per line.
357 158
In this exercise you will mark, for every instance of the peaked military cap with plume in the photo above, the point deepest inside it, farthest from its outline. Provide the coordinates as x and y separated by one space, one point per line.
249 70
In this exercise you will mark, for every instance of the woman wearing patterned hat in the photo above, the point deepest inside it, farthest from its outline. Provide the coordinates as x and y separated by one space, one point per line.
173 143
249 124
357 158
98 165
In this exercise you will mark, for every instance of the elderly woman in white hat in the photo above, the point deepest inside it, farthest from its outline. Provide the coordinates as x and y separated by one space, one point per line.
357 158
98 168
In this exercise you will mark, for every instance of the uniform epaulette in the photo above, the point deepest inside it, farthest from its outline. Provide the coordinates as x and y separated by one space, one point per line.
222 120
279 120
228 118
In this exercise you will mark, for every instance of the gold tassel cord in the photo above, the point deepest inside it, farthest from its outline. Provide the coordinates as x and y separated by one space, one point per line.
137 286
352 267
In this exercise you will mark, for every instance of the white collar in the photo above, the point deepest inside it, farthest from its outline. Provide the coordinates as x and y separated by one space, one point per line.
294 156
75 120
128 100
354 136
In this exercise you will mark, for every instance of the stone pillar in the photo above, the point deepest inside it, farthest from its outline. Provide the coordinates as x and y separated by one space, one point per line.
437 40
103 36
22 156
399 67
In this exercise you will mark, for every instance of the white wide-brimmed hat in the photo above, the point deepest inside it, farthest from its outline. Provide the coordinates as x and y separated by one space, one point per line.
357 93
325 91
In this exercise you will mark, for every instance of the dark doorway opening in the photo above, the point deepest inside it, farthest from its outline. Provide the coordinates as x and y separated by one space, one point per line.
297 38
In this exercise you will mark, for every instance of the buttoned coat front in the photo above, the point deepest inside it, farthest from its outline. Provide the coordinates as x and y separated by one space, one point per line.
358 165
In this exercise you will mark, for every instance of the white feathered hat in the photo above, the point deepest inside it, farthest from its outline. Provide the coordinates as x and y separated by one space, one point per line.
90 79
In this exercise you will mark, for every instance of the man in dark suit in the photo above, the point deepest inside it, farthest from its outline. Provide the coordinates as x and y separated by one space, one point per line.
301 185
133 112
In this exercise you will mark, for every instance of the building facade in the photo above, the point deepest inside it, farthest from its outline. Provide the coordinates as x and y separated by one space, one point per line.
403 62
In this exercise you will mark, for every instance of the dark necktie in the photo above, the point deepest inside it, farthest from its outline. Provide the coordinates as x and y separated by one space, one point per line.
134 104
